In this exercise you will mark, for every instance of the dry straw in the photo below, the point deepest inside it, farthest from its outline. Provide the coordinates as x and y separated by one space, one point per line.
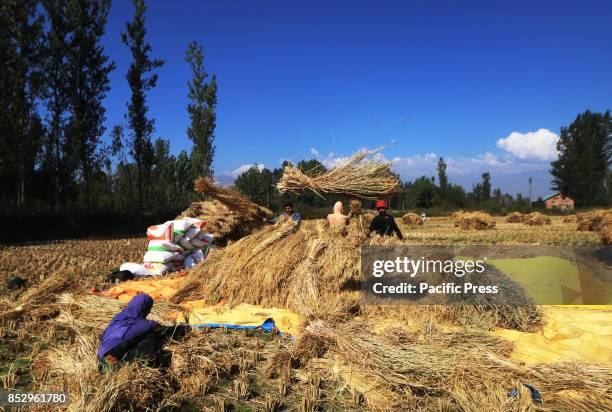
362 175
412 219
229 215
536 219
318 274
515 217
474 221
95 312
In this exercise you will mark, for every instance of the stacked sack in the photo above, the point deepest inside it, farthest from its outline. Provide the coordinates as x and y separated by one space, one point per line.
173 245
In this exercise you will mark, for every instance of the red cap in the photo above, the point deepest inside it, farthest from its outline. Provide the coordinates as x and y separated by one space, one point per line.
381 203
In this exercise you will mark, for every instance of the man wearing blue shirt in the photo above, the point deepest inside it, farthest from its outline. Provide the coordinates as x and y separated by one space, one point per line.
289 212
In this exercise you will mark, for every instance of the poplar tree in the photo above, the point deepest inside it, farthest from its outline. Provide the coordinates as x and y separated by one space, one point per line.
141 79
201 108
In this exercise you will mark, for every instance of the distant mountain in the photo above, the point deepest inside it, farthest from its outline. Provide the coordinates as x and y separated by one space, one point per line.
224 180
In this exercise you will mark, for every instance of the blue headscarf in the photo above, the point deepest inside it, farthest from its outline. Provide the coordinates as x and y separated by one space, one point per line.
127 324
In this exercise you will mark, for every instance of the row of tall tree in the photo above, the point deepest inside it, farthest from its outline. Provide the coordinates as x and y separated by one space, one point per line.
54 78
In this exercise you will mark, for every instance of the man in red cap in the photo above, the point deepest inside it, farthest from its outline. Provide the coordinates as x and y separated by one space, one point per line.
383 224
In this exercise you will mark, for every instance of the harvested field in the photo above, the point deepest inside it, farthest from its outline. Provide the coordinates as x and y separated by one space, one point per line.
348 356
90 259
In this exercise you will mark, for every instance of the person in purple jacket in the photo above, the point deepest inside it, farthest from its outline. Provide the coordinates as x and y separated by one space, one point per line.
131 336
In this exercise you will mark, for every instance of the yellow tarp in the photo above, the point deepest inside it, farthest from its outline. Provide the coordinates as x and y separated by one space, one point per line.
570 333
554 280
243 314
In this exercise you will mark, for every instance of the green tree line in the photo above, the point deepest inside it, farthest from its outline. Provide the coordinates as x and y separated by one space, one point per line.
581 172
54 78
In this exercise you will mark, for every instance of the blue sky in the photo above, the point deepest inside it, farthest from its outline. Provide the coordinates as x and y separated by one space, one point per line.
487 84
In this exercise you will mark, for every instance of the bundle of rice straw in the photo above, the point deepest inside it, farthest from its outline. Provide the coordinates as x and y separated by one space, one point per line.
232 199
536 219
412 219
569 219
39 300
475 221
515 217
95 312
361 176
229 215
594 220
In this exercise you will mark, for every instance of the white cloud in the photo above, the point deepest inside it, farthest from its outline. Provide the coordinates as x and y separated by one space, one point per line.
538 145
241 169
315 152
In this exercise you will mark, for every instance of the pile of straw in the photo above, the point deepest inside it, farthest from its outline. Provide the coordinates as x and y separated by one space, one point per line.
595 220
599 221
357 218
229 215
536 219
515 217
318 274
474 221
412 219
569 219
397 369
363 175
73 369
90 312
39 301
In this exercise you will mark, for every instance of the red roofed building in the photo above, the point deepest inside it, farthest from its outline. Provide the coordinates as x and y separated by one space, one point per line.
559 202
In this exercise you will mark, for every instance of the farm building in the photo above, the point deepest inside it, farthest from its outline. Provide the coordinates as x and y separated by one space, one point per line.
557 201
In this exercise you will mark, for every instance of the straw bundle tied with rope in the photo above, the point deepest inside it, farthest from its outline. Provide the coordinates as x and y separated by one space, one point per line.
362 175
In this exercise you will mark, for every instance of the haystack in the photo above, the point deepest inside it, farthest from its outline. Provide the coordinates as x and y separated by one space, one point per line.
515 217
317 274
412 219
595 220
536 219
362 175
475 221
229 215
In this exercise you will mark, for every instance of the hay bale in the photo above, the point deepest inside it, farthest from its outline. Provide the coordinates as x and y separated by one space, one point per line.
362 175
595 220
569 219
412 219
475 221
456 217
515 217
536 219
